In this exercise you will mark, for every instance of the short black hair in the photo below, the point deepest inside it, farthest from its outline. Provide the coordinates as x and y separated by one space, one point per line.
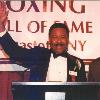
59 25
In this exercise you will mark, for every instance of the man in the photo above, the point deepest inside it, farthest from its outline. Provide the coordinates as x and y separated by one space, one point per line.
94 72
45 65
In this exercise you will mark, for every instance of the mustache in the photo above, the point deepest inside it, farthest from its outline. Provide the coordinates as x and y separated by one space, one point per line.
57 44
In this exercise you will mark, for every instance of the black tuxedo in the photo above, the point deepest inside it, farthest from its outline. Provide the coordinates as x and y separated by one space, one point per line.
37 59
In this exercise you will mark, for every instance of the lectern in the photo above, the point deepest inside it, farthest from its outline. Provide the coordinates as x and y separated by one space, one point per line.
38 90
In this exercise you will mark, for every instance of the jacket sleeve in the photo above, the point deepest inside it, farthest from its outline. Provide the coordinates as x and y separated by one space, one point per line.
17 54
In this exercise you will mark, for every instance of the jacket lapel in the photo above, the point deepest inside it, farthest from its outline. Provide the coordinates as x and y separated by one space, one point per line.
71 61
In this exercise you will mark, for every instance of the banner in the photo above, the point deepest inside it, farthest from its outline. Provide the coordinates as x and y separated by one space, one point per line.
29 22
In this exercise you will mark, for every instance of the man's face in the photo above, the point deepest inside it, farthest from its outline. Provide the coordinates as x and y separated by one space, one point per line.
58 40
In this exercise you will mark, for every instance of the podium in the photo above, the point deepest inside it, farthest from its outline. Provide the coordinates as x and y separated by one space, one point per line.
72 90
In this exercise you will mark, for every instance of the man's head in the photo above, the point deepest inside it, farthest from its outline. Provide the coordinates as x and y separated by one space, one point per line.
58 37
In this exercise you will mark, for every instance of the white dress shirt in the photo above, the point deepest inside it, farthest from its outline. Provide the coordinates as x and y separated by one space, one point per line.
57 70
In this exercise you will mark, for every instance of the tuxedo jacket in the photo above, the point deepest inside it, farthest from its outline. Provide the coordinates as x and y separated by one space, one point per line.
37 60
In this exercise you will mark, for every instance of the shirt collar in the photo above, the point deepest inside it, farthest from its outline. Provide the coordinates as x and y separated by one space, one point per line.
64 54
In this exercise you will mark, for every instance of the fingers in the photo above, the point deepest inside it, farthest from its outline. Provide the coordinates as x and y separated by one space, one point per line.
2 5
3 16
3 12
7 12
4 20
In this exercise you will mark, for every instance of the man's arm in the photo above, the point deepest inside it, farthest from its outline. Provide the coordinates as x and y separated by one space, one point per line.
8 44
15 52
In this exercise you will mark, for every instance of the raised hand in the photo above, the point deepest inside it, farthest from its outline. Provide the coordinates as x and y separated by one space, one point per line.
3 15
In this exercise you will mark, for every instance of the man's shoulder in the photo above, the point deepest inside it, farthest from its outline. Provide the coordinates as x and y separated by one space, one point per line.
74 61
95 62
73 58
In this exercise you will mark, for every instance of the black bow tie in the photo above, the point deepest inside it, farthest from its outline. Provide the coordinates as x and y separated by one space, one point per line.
62 55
